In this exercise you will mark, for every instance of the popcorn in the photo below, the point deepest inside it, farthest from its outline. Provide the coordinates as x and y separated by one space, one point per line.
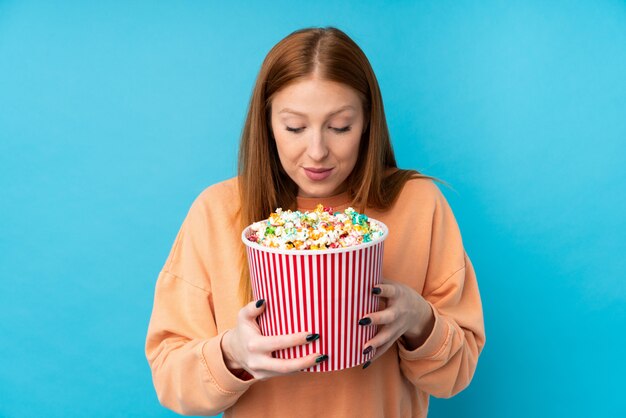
320 229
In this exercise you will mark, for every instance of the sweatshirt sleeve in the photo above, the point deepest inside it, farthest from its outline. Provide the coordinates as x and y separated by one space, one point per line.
183 346
445 363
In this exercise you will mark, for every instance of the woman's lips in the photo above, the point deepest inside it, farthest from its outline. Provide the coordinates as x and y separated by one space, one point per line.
317 174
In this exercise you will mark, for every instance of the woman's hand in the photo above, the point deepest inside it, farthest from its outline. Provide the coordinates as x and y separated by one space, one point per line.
244 347
406 314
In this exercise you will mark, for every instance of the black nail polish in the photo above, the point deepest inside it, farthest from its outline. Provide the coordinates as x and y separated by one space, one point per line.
321 358
365 321
312 337
367 363
259 302
377 291
368 350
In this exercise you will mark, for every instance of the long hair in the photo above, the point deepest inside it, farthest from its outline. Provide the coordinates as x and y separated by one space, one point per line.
263 184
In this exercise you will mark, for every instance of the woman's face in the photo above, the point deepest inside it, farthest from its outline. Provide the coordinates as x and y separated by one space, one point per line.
317 126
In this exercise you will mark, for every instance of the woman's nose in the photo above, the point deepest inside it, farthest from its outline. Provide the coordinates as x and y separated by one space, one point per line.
317 149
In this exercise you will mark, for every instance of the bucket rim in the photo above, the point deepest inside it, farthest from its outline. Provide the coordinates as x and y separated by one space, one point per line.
259 247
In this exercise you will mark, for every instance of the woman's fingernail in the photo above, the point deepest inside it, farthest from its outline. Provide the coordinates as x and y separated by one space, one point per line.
259 302
368 350
365 321
367 363
377 291
321 358
312 337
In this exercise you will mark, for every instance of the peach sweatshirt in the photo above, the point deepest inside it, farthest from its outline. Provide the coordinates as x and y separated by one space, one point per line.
196 302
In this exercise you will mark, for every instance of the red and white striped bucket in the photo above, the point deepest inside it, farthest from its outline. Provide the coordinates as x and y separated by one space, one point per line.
318 291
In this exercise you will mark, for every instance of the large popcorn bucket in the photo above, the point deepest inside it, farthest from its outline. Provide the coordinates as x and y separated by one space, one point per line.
318 291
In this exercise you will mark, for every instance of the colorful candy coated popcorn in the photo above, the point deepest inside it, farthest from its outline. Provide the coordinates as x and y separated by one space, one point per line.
320 229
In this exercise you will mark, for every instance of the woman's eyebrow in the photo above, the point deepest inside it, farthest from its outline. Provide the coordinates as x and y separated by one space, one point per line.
341 109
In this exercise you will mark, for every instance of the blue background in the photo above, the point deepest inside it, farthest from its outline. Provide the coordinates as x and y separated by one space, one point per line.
114 116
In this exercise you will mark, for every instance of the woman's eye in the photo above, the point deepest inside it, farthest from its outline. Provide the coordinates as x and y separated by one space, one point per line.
338 130
342 130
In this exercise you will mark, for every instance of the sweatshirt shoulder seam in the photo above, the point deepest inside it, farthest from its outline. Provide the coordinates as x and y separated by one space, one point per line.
187 281
448 278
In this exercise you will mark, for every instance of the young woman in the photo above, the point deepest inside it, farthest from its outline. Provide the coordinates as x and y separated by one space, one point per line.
315 133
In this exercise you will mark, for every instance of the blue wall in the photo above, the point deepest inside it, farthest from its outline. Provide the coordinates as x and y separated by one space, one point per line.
114 116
